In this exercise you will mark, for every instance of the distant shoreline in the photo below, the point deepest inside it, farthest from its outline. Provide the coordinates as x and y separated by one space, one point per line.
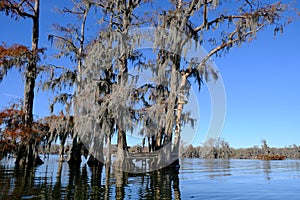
217 152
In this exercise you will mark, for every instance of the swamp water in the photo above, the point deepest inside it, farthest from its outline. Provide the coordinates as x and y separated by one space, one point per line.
196 179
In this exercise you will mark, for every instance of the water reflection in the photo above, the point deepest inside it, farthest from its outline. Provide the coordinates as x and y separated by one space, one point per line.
161 184
288 168
217 168
267 169
22 178
196 178
57 180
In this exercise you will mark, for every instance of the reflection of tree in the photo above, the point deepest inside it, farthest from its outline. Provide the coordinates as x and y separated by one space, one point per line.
5 183
161 185
24 182
58 185
267 169
107 182
176 185
96 182
121 181
85 183
78 183
166 181
217 168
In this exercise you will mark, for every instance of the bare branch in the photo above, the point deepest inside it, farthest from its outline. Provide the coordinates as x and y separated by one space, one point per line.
217 20
65 40
67 10
230 42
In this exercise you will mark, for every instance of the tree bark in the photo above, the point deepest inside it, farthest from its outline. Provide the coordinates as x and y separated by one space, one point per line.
165 157
108 153
75 152
30 155
159 138
96 157
62 148
122 149
180 104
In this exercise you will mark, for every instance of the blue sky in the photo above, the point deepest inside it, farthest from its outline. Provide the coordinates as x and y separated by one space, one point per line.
261 81
262 87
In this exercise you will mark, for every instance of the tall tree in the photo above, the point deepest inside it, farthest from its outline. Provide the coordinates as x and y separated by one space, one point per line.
70 40
200 21
21 56
178 24
107 64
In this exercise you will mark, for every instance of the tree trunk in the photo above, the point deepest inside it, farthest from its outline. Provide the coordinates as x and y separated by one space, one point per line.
122 81
108 153
122 149
180 104
30 155
96 158
158 139
75 152
62 150
149 144
165 156
94 162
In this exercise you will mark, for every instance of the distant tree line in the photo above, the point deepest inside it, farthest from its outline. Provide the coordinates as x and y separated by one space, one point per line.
220 149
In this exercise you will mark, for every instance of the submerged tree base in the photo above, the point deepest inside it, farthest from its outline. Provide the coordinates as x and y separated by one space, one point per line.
27 155
31 163
93 162
38 161
174 165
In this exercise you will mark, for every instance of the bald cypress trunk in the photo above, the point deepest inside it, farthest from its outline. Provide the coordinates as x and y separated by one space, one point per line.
75 152
27 153
122 149
180 104
108 154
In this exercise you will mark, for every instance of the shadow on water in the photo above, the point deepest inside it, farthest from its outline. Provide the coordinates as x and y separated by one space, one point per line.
57 180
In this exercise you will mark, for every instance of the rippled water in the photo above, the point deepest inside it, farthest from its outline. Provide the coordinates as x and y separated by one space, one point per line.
197 179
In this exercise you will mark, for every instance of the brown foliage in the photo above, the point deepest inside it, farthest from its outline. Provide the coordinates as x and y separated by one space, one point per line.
16 9
271 157
13 131
9 53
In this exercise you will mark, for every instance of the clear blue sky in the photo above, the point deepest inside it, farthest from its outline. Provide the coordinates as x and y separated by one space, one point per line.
261 80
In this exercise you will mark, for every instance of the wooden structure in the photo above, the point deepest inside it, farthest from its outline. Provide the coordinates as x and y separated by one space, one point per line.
145 161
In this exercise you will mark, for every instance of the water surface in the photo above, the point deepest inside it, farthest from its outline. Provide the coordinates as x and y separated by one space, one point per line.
196 179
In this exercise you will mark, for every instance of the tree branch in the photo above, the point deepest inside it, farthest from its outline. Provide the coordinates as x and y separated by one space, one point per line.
230 42
217 20
67 10
74 48
16 9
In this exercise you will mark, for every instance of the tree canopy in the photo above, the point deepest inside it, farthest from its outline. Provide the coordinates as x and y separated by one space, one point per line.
105 98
